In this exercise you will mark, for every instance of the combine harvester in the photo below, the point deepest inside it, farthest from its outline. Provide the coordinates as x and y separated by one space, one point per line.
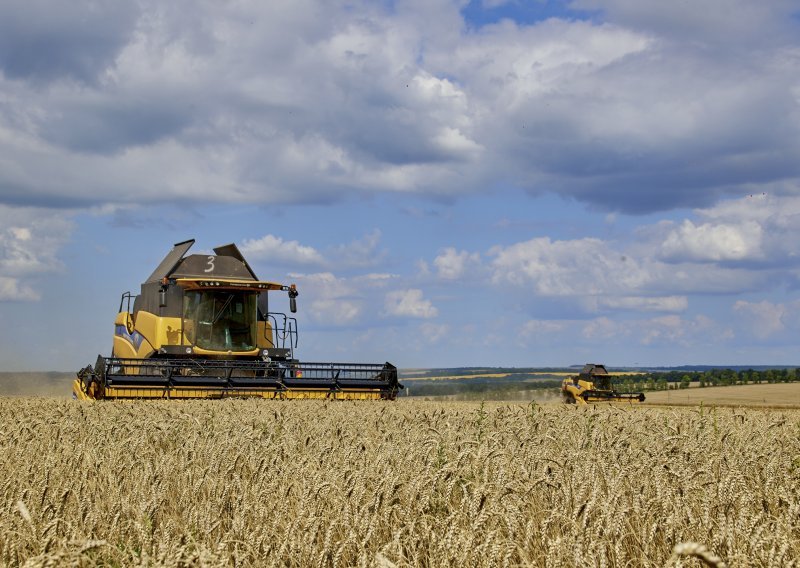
593 384
201 328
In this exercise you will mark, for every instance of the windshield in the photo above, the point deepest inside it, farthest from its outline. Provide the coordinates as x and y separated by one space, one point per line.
219 320
602 382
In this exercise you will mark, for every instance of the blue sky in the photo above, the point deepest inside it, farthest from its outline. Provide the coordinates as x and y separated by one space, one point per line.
449 183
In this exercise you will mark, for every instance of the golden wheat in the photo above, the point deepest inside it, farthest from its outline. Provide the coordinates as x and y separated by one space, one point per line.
304 483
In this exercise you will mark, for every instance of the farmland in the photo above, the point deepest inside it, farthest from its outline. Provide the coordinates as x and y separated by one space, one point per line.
409 483
782 395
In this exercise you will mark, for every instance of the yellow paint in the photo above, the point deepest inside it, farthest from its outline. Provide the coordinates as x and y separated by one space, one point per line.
215 392
157 332
264 335
573 388
160 331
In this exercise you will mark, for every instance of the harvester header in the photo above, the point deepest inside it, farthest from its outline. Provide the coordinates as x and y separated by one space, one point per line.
202 327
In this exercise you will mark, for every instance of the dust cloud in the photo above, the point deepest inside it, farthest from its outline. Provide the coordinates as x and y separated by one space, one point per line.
46 385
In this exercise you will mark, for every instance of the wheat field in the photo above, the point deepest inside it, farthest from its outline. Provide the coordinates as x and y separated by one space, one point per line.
409 483
778 395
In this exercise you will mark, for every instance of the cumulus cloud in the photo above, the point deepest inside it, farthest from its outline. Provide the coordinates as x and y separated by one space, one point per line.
358 254
331 301
30 241
713 242
601 276
453 265
759 229
567 268
12 290
270 248
409 303
263 103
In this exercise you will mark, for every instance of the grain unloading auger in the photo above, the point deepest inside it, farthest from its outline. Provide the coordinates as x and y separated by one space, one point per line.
202 328
593 384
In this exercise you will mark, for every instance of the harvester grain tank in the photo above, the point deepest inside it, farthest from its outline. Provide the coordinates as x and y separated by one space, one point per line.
594 384
202 327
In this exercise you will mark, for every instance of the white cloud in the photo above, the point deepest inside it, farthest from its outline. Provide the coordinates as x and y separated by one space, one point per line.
567 268
11 290
329 300
633 275
30 241
641 303
253 103
713 242
409 303
453 265
270 248
759 228
452 141
335 311
359 253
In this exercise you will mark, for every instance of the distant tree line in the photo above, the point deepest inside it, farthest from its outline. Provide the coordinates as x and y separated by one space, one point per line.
519 382
664 380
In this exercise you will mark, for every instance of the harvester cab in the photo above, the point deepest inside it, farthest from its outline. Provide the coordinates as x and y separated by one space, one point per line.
202 327
594 384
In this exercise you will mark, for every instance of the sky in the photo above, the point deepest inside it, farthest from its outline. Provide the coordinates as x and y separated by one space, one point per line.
448 182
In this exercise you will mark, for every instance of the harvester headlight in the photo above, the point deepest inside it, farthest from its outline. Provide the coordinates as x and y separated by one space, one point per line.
188 349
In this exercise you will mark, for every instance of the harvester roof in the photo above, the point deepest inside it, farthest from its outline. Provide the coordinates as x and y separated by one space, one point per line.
227 263
593 369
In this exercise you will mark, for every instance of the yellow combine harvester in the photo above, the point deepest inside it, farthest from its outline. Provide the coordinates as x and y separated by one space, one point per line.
593 384
202 328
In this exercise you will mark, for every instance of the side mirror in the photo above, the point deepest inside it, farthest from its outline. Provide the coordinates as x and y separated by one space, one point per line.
162 297
292 304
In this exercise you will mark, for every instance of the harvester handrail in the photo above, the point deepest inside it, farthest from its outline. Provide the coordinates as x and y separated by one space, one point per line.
125 296
288 329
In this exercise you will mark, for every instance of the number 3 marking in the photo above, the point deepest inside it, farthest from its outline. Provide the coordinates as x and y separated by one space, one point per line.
210 264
